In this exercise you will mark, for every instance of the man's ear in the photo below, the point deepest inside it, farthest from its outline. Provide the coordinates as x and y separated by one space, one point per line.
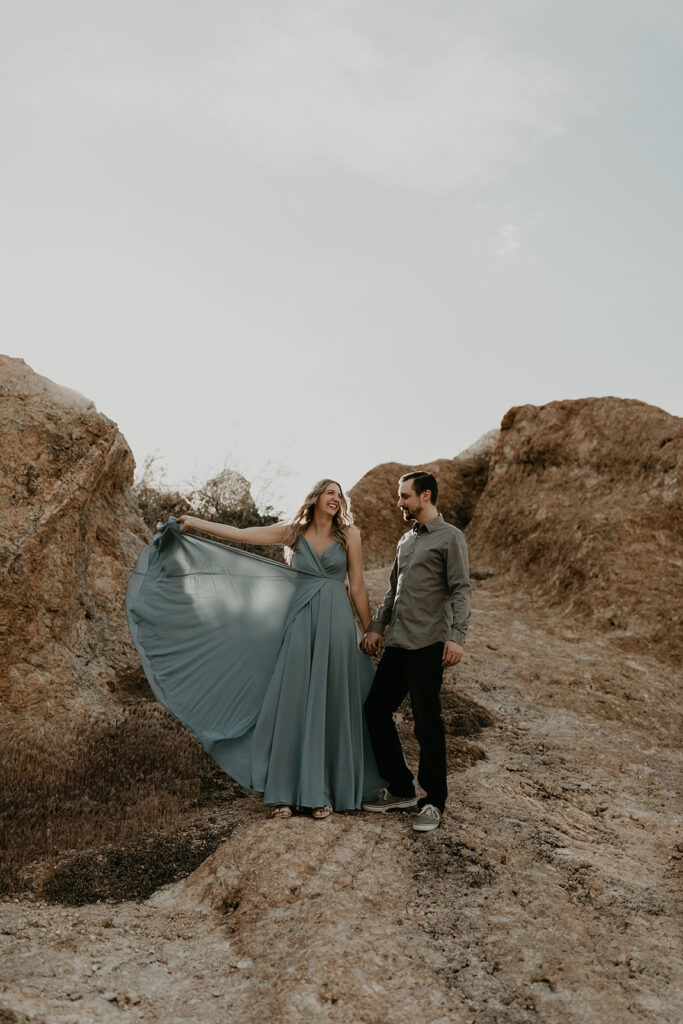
426 497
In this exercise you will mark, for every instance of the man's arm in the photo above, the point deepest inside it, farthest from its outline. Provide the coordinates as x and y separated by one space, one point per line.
373 638
459 590
382 614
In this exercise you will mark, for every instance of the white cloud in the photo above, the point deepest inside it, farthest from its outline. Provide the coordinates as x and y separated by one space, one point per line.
509 241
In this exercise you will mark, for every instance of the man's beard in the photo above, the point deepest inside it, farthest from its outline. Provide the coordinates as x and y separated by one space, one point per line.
407 514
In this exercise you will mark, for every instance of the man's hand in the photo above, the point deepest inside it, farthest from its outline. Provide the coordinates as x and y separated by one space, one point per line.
372 643
452 653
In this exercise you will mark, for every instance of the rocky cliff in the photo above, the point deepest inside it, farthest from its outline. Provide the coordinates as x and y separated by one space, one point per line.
70 532
373 499
584 509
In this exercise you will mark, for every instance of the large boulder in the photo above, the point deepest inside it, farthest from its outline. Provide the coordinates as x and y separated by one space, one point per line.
70 532
583 508
373 499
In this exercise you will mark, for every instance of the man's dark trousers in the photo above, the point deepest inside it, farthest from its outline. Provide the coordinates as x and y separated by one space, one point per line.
418 672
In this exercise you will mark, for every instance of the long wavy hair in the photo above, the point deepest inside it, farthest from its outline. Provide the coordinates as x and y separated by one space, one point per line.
341 521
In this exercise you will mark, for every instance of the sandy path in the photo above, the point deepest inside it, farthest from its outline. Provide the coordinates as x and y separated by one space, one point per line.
547 895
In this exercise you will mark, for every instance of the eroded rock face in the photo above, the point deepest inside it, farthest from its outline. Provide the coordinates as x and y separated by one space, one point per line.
69 536
373 499
583 506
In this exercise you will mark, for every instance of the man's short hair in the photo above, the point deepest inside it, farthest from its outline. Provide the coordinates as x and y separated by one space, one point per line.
421 482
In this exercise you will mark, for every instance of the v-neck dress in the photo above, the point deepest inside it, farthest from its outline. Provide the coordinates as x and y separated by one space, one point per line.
260 661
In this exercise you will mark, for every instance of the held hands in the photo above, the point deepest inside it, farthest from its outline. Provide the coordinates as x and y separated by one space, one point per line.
372 644
452 653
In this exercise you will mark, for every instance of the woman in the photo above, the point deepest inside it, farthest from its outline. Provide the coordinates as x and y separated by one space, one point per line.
260 660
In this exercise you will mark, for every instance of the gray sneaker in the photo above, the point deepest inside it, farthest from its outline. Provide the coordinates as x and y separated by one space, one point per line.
428 818
386 801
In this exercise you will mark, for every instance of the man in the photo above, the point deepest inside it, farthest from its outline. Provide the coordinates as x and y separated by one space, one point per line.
427 609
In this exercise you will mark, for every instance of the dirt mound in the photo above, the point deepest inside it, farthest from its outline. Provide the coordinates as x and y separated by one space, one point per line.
461 482
70 533
583 506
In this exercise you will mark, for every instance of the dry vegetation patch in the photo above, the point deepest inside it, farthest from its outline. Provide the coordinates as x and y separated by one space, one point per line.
108 808
131 870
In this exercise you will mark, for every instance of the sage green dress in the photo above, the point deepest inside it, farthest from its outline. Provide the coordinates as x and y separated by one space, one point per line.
260 661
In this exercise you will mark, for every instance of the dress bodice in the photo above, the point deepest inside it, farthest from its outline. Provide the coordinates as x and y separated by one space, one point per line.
332 562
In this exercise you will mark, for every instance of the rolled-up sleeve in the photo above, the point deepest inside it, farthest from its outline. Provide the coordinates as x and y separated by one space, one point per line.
459 589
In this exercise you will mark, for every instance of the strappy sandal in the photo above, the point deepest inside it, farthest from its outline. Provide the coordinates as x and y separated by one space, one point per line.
320 813
282 812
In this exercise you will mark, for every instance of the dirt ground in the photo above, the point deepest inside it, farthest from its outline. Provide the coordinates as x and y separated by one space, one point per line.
548 894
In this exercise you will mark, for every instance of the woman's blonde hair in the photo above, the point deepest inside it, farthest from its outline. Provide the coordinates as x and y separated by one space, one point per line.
341 520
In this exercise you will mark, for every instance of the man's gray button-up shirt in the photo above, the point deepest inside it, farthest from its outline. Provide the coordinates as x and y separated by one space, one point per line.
428 599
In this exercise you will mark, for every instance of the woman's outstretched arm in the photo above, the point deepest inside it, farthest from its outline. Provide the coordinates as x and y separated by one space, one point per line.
274 534
359 594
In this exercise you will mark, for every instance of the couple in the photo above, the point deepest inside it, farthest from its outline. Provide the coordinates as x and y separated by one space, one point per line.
261 661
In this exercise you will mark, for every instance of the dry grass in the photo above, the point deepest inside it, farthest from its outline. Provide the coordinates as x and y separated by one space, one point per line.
117 789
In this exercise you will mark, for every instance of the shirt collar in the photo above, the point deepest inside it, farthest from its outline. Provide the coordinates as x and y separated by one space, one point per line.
432 525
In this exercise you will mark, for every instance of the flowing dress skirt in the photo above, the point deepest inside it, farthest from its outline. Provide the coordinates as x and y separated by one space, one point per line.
260 661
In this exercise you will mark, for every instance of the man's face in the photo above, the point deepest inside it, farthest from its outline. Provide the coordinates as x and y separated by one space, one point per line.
409 502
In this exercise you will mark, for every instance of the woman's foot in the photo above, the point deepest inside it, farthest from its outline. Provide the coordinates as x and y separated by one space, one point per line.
322 812
281 812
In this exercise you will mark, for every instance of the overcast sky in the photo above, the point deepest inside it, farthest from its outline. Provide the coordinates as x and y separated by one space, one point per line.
321 235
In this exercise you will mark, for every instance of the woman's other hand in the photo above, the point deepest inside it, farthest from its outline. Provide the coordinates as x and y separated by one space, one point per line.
188 523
